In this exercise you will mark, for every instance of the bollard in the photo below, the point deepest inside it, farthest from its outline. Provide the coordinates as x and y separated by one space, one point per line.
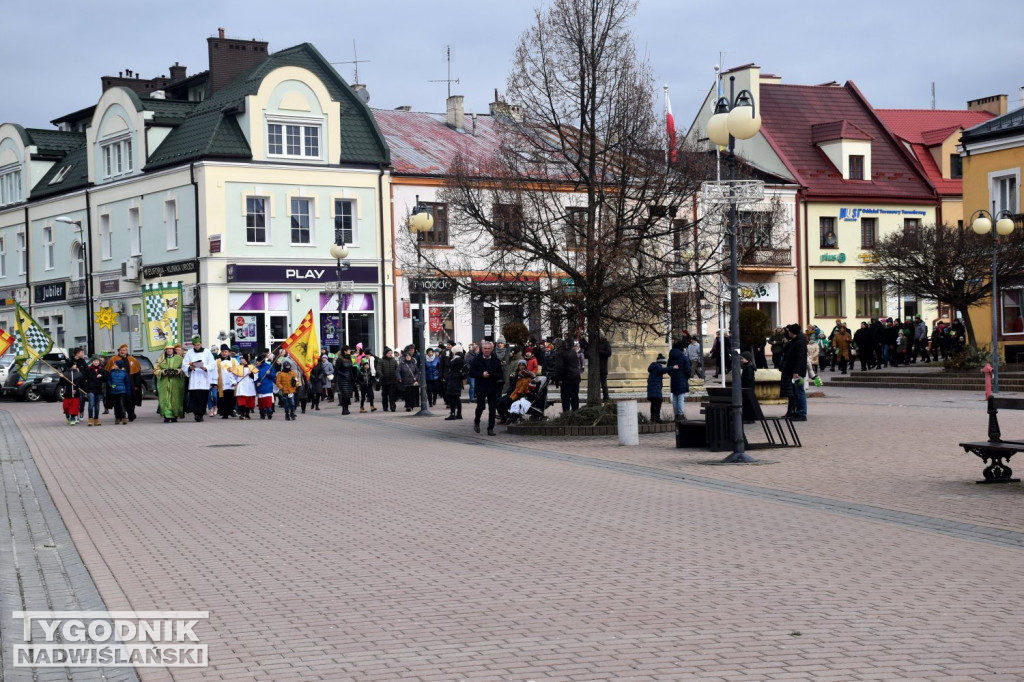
629 428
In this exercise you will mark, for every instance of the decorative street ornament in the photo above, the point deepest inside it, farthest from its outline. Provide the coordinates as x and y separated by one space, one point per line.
106 318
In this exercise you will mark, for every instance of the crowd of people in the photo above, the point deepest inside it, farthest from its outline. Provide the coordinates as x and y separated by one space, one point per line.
225 383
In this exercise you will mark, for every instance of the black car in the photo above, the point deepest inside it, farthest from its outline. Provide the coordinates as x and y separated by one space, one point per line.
29 388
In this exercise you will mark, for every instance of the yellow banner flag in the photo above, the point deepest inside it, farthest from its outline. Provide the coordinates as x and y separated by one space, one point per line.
6 341
304 345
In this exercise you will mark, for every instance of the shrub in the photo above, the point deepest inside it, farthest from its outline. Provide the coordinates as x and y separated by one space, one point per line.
969 358
593 415
755 326
515 333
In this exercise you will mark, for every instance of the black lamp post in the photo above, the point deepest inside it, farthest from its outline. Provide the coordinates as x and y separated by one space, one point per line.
981 223
421 221
339 252
735 116
90 346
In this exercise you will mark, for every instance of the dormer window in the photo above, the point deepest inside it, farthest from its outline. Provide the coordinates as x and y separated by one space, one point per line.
10 186
294 140
117 157
856 166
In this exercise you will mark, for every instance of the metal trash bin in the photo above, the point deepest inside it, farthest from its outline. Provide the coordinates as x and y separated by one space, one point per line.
719 421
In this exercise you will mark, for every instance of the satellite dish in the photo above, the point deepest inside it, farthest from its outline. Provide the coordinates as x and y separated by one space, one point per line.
362 92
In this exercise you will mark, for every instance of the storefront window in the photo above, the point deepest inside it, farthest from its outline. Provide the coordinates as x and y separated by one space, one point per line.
828 298
355 324
440 318
869 297
1012 321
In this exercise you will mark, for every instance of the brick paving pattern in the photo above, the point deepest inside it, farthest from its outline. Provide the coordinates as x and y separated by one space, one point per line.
384 547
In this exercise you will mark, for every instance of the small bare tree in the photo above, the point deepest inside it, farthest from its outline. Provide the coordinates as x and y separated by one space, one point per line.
952 265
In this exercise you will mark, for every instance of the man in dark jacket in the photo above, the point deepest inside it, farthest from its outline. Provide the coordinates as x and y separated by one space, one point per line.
864 340
344 377
486 369
793 369
604 351
388 380
568 375
678 378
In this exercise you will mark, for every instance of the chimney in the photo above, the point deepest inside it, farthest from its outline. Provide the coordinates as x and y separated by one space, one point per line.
456 112
473 117
404 107
513 112
231 57
178 72
996 104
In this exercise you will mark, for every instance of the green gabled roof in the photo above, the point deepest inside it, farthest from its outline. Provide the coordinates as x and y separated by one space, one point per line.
76 177
211 129
54 143
168 112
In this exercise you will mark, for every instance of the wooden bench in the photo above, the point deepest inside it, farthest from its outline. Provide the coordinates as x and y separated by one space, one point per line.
996 452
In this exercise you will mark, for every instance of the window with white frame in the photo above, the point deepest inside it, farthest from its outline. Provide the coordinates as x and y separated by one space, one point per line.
48 247
22 254
117 157
10 185
134 232
301 214
1004 193
105 237
77 262
171 223
256 220
294 139
3 258
344 221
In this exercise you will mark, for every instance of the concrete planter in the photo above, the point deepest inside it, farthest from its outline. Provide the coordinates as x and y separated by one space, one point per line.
767 384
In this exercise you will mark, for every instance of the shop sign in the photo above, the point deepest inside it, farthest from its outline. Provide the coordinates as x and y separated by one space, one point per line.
299 274
433 284
853 214
181 267
867 257
110 285
12 296
833 258
406 310
766 292
48 293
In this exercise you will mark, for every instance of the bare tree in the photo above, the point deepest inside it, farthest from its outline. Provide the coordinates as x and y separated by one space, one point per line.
578 197
949 264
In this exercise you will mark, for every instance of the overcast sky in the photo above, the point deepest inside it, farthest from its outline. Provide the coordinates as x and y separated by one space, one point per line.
53 54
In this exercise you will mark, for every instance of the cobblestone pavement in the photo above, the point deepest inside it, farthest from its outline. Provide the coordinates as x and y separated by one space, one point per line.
385 546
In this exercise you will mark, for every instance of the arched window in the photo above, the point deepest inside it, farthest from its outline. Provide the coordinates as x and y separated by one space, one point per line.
77 262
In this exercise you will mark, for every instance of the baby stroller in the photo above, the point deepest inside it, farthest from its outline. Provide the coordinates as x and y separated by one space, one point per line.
532 405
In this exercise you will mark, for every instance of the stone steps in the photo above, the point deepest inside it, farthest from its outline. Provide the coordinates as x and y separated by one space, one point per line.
1010 382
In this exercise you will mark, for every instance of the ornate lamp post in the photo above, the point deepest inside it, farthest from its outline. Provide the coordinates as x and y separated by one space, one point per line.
90 346
981 223
734 117
339 252
420 222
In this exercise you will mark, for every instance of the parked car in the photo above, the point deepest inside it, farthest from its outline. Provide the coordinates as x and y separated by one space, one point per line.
28 388
5 366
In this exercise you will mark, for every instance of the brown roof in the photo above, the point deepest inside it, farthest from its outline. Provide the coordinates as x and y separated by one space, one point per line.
424 144
789 114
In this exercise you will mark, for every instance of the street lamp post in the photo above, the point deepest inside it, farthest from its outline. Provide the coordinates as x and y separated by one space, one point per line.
421 221
339 252
734 117
90 346
981 223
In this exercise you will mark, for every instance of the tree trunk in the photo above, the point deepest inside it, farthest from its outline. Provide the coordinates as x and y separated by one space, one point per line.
969 327
593 359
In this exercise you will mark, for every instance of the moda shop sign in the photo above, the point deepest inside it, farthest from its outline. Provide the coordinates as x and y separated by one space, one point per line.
299 274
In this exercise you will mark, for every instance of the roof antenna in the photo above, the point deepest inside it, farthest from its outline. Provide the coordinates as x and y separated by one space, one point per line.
449 81
356 61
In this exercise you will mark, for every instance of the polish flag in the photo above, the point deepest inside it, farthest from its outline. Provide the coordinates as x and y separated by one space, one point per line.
670 125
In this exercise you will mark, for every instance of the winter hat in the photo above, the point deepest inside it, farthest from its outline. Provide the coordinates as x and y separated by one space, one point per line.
521 362
119 364
501 339
457 349
795 328
225 347
662 359
747 355
287 365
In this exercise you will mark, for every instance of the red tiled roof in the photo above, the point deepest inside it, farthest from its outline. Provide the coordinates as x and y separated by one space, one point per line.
912 124
788 114
836 130
423 144
924 128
